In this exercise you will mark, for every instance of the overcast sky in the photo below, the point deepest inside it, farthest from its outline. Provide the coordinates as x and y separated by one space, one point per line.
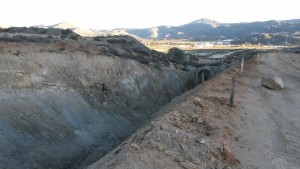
107 14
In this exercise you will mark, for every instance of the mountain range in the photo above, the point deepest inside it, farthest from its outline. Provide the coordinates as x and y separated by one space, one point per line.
271 32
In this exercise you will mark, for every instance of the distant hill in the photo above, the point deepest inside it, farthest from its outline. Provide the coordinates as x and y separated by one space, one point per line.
56 30
86 32
205 21
273 32
269 32
63 25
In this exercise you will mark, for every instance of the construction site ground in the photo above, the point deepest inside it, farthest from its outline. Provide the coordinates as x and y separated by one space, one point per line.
199 130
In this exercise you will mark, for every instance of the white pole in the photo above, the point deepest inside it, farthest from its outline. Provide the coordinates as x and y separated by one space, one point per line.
242 65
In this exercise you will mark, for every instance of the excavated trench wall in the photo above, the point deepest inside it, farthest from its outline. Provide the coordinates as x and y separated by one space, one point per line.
67 110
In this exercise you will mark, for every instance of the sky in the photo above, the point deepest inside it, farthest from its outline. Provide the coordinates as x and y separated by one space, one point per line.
109 14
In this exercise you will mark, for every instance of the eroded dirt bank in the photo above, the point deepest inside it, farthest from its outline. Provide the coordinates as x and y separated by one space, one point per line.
65 104
199 130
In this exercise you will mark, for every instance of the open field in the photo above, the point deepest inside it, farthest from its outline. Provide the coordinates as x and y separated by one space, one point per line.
165 45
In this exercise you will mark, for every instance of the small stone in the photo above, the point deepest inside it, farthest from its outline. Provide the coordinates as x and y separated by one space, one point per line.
134 145
187 165
168 153
197 101
194 117
201 141
200 119
213 159
178 159
229 156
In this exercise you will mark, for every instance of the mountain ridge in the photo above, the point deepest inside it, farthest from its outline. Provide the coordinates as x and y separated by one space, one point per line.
272 32
63 25
205 21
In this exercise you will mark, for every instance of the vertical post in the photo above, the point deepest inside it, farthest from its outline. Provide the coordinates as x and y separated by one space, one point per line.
242 65
232 91
257 58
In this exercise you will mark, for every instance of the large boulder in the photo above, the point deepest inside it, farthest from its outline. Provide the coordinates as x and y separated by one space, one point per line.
273 82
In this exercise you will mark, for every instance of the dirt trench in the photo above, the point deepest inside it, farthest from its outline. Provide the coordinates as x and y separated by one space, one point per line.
66 105
198 129
67 109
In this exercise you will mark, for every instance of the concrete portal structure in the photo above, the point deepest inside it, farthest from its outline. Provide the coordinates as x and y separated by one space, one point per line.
202 74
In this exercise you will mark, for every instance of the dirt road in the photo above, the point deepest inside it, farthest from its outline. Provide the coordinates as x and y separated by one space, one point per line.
199 130
271 134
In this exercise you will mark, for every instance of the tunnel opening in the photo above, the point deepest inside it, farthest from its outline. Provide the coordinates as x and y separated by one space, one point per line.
202 75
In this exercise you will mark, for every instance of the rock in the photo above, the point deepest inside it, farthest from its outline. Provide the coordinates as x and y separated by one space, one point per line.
213 159
229 156
194 118
202 141
133 145
179 159
273 82
200 119
187 165
198 102
169 153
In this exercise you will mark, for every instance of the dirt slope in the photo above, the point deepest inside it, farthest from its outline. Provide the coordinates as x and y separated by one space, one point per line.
199 130
62 107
